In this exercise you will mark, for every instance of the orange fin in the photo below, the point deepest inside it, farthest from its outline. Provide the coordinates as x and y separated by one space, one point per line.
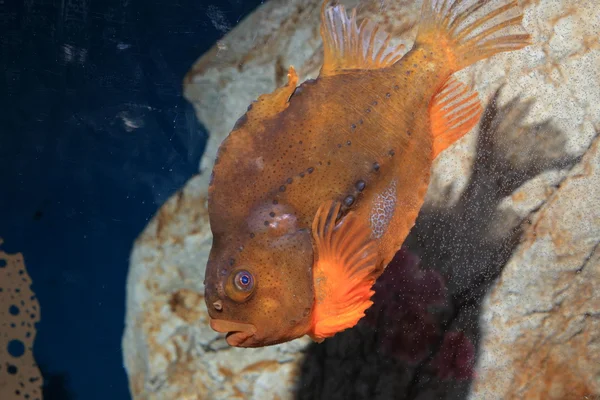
343 272
348 46
454 111
443 27
271 104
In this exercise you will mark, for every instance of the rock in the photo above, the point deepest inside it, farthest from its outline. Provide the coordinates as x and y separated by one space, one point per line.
20 376
541 326
510 225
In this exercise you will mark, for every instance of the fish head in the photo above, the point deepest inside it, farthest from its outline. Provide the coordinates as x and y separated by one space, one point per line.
259 284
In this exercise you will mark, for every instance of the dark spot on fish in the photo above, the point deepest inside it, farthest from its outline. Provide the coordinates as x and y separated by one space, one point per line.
275 202
408 72
353 126
396 87
252 235
349 200
231 261
339 145
415 65
310 170
300 142
266 223
240 122
328 162
374 103
348 143
360 185
301 174
290 146
388 95
272 214
376 166
282 188
368 110
392 153
408 133
224 271
289 180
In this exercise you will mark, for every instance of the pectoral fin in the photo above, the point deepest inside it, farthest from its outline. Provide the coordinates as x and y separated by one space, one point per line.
345 260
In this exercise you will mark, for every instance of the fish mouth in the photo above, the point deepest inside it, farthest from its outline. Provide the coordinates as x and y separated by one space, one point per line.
237 332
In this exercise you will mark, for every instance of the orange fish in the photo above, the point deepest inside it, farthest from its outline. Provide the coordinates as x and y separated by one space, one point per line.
317 186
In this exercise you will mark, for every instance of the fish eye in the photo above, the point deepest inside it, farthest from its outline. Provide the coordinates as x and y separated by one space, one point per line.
240 285
244 281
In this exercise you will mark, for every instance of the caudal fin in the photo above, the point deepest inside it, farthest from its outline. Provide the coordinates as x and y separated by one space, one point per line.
452 26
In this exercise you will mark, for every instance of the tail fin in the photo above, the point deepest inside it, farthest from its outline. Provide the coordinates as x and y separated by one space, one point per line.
443 24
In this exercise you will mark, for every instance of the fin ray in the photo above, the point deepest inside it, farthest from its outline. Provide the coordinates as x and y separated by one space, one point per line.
349 46
454 111
345 261
445 25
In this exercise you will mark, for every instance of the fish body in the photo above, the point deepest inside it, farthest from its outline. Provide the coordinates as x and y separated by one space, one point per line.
358 146
317 186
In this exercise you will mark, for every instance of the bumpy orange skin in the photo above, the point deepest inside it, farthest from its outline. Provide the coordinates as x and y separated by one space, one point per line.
363 138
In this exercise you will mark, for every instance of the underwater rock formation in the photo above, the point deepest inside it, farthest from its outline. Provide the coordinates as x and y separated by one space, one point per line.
20 377
492 295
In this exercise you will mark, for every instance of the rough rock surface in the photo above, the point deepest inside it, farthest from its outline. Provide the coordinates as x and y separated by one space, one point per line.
508 237
541 322
20 377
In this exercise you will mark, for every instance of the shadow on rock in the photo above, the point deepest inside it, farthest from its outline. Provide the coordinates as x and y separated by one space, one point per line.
420 338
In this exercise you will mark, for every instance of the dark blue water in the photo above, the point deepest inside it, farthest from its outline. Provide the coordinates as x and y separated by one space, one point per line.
94 136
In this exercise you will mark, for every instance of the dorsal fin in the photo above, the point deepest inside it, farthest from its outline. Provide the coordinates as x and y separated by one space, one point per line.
454 111
442 27
349 46
270 104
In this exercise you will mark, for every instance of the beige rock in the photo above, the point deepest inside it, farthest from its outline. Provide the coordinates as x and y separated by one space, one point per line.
540 310
20 376
542 320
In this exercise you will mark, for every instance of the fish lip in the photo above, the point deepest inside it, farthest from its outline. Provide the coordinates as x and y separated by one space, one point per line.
238 339
237 332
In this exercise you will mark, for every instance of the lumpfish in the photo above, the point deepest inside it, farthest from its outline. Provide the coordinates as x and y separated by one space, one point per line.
317 186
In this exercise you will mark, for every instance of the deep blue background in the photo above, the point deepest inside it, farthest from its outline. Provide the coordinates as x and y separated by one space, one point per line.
76 187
